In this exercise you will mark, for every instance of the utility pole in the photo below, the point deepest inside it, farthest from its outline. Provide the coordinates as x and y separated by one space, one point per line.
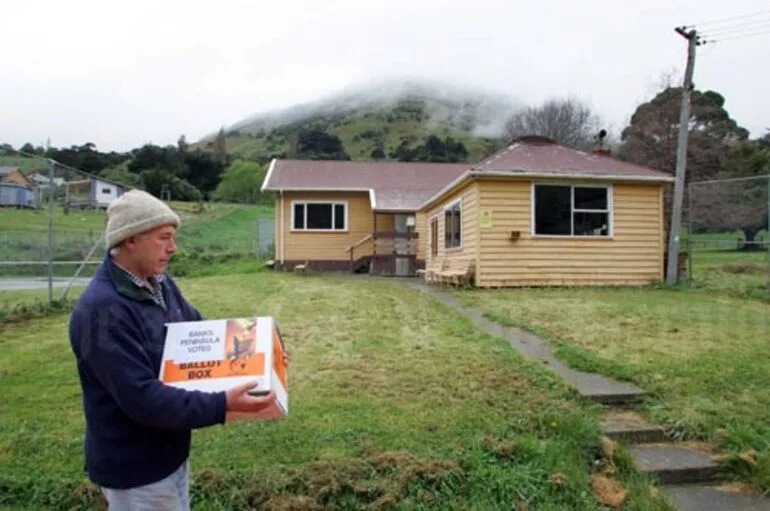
672 271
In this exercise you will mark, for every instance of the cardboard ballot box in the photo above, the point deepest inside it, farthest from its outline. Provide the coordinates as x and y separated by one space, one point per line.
216 355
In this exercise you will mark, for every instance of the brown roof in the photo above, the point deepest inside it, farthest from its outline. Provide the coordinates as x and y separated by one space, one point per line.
543 156
393 186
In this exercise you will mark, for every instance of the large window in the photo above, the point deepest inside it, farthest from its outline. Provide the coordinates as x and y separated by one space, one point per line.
453 225
562 210
319 216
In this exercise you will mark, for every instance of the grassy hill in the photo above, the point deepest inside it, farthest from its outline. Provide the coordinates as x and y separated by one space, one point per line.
368 118
26 164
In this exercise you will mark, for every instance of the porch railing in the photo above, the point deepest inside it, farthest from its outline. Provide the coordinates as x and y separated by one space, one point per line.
388 244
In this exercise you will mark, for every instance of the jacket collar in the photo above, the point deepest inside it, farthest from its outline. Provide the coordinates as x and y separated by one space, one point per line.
123 283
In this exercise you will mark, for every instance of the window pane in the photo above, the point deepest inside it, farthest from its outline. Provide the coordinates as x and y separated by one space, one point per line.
553 213
339 216
590 198
299 216
592 224
457 227
319 216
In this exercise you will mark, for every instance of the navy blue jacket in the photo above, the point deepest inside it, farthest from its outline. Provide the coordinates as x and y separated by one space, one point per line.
138 430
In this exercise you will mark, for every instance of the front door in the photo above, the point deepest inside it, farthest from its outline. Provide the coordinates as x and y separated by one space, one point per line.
401 247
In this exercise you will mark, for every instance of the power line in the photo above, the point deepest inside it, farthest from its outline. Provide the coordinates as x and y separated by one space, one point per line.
713 22
742 26
740 36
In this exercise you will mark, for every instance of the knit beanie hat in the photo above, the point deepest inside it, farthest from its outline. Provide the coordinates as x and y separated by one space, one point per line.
136 212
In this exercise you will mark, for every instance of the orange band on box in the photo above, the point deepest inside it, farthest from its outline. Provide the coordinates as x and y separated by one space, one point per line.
253 365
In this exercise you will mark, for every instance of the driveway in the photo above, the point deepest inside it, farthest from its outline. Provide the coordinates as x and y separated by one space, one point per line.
38 283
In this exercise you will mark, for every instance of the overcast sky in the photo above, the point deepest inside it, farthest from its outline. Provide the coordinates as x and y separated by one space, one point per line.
120 74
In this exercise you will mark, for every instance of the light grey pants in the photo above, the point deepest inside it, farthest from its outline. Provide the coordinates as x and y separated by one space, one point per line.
169 494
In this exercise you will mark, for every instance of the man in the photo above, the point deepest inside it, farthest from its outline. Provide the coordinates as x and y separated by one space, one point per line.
138 430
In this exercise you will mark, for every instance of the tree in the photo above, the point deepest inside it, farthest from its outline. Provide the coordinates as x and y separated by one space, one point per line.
220 144
241 183
154 179
651 137
433 150
739 204
123 176
203 169
568 121
316 144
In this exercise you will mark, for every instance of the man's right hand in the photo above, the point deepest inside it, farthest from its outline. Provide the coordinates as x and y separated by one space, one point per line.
238 399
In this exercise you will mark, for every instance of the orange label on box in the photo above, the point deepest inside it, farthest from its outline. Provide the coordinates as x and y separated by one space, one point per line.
253 365
278 364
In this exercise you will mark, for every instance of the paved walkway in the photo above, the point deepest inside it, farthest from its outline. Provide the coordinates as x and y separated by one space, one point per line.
685 473
591 385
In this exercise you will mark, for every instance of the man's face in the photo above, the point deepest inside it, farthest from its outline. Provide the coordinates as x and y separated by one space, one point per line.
153 250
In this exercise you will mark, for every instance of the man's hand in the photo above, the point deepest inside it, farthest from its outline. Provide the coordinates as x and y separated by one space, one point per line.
238 399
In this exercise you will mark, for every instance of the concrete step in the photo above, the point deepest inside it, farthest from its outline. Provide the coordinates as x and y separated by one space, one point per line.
631 428
709 498
674 463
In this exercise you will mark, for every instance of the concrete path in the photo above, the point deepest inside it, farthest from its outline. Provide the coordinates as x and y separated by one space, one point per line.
32 283
594 386
685 471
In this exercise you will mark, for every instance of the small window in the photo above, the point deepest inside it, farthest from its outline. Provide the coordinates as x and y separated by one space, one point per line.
572 210
319 216
453 226
107 190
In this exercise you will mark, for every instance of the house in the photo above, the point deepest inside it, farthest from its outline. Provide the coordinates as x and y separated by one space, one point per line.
93 192
42 181
17 196
14 175
534 213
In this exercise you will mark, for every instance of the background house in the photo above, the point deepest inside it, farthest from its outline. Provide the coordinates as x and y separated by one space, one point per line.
42 181
93 192
16 176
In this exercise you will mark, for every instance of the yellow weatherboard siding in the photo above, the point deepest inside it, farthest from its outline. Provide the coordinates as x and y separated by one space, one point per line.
331 246
468 195
634 254
326 246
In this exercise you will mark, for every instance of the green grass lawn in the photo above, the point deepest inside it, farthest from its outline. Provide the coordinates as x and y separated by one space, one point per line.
396 403
702 354
738 274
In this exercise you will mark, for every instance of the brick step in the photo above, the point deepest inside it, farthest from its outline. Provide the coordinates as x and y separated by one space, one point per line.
709 498
673 463
630 428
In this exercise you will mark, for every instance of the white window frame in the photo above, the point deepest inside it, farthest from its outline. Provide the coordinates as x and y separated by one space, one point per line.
443 214
609 211
321 202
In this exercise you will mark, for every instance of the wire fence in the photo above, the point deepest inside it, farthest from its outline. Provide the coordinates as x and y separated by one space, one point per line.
28 267
727 240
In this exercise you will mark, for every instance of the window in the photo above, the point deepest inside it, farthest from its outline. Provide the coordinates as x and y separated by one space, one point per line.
319 216
434 236
562 210
453 225
106 191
